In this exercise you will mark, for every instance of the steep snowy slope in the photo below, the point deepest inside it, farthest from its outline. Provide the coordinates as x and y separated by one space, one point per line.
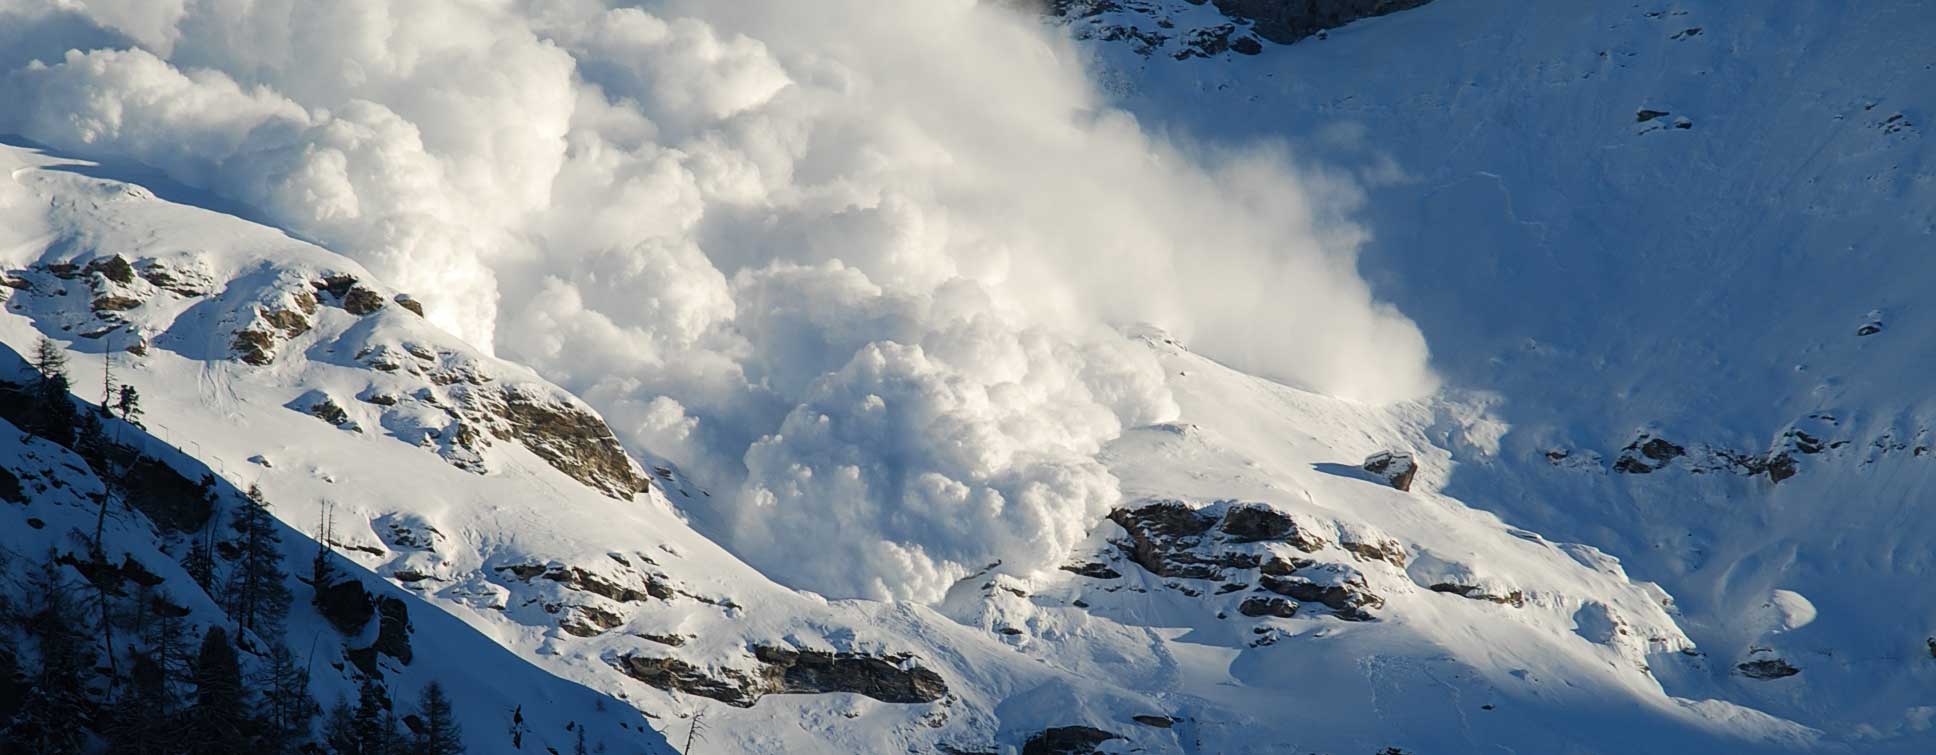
1249 563
1705 223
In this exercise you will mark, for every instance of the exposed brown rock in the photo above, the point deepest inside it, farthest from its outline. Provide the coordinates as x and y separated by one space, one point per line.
589 621
573 440
114 268
362 301
1348 599
1257 522
1259 605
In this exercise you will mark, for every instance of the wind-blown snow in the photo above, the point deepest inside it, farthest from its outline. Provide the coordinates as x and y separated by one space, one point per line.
857 261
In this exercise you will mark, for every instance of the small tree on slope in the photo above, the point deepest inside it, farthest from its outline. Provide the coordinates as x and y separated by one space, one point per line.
440 734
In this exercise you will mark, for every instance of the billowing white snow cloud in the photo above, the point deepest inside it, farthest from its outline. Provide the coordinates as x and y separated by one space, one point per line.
854 263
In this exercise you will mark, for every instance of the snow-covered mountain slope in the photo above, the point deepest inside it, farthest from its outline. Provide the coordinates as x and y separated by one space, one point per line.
1249 563
1667 259
1706 223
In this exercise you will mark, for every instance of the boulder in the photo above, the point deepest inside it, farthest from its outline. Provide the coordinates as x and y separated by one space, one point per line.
1396 467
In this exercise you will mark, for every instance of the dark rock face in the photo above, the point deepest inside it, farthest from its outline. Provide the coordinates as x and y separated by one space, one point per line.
1287 21
1150 26
347 605
889 679
1067 740
1767 668
393 629
1160 722
1092 570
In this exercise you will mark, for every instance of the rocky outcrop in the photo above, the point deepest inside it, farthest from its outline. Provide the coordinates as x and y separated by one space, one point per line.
1267 606
393 629
572 439
1287 21
589 621
785 670
1067 740
1153 25
575 578
1092 570
1342 590
1811 435
1243 544
257 342
346 604
1647 454
891 679
1766 668
729 686
1513 598
1173 539
1257 522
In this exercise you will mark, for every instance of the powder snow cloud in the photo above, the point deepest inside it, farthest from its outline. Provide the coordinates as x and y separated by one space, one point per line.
857 264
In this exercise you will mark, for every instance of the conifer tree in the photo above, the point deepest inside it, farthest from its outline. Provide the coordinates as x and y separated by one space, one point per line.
140 718
200 563
53 717
218 721
372 727
51 415
440 734
288 707
339 728
258 587
128 401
